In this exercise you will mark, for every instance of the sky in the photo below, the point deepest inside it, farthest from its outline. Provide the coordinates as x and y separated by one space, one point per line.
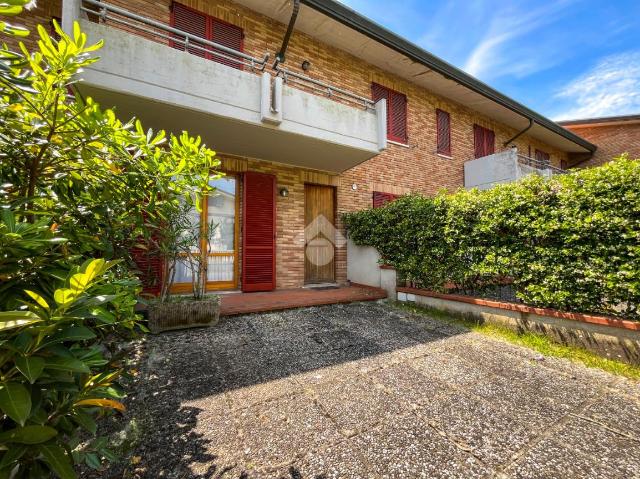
565 59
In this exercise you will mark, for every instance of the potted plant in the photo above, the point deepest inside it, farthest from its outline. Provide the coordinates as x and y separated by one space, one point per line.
181 240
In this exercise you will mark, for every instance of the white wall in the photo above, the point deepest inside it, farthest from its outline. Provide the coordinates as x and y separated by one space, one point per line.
363 267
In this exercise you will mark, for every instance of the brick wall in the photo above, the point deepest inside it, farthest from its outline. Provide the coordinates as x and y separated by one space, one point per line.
414 167
611 140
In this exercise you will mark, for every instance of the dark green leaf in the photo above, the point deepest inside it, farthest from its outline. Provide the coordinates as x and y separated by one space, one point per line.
58 460
30 366
28 435
67 364
15 401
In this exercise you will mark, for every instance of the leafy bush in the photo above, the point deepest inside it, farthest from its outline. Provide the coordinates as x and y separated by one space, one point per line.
571 243
79 190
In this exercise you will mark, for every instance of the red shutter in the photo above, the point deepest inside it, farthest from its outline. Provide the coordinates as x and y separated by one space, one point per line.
381 199
396 111
484 141
489 142
443 121
543 158
398 117
190 21
258 232
228 35
478 141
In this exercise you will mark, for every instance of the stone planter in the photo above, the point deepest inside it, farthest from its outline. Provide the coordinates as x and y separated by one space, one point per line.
183 314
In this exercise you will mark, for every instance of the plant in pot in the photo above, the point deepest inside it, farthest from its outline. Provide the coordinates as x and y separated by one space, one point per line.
184 244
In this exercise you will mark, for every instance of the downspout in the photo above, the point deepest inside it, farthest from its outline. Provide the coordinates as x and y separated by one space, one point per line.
280 57
506 143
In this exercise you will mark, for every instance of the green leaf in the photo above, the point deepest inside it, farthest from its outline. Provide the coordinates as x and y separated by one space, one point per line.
93 461
72 333
37 298
85 420
15 401
16 319
30 366
58 461
29 435
67 364
14 453
64 296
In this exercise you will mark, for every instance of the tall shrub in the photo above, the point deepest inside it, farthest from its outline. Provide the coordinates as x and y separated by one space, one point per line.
78 190
571 242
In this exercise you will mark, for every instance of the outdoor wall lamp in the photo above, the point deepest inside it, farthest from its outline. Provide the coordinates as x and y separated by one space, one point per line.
284 192
306 65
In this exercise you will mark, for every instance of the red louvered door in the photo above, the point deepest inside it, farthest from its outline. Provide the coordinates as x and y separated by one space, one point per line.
398 118
231 37
396 111
193 22
259 232
484 141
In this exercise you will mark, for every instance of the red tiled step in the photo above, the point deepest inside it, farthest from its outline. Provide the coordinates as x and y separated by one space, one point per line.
245 303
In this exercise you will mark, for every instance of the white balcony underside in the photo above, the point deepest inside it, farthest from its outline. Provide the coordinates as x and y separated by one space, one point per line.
175 91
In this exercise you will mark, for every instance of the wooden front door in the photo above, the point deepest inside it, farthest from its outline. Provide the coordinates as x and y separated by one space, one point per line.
319 254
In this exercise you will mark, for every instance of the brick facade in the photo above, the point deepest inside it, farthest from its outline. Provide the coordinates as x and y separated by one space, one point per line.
414 167
612 140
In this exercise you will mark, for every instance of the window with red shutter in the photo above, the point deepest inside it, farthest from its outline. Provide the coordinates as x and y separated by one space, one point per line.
258 232
381 199
543 158
484 141
210 28
396 111
443 123
230 36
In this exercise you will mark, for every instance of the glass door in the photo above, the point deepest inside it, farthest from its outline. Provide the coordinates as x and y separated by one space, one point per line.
219 212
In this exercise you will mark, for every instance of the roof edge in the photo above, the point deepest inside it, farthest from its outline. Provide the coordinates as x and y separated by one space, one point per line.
369 28
602 119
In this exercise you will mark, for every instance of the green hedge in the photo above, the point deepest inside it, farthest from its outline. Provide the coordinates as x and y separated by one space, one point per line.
570 243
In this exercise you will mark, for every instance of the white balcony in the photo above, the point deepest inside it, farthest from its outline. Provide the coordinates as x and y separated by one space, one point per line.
250 112
504 167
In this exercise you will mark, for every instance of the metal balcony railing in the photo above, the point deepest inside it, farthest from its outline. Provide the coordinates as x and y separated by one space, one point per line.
175 37
318 86
155 30
540 165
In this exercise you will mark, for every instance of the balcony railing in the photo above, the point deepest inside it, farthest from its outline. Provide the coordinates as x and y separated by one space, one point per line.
173 36
323 88
540 165
504 167
158 31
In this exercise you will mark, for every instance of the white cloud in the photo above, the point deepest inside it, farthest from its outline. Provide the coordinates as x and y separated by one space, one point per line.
497 53
611 87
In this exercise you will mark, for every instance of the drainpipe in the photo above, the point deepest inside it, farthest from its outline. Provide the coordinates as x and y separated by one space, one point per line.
280 57
506 143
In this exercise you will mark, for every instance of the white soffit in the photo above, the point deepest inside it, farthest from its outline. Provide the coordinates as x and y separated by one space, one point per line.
340 36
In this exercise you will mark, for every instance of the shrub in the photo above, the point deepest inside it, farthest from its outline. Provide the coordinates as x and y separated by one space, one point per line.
79 189
571 243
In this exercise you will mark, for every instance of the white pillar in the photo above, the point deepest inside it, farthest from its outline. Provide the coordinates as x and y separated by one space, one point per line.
70 13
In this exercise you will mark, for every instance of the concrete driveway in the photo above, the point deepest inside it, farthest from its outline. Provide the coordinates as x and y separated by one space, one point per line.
366 390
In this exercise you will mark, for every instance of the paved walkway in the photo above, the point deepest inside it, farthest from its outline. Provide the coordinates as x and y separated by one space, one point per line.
281 299
365 390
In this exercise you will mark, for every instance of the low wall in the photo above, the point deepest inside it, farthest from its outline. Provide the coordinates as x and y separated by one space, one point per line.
363 267
609 337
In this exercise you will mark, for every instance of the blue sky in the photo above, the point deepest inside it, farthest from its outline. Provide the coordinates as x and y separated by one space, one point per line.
564 58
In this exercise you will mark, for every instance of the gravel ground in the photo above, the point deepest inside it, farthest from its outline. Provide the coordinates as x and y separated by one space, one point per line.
366 390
